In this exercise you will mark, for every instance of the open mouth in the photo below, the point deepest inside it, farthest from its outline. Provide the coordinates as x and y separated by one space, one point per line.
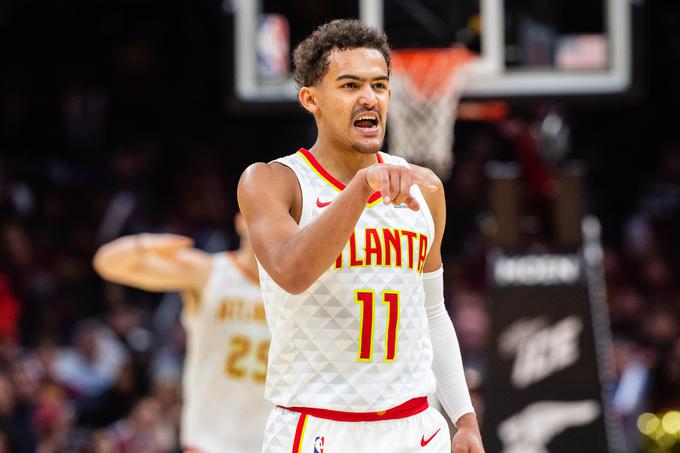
366 121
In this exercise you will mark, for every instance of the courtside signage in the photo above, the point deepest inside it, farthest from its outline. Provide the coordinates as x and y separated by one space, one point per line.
544 390
536 270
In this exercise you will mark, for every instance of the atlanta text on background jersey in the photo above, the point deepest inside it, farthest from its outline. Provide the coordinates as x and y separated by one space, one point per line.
226 363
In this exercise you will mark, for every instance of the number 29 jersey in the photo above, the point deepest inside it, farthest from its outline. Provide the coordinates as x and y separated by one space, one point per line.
357 339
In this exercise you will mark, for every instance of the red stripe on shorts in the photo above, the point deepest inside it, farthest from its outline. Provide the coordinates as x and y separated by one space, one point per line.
299 432
411 407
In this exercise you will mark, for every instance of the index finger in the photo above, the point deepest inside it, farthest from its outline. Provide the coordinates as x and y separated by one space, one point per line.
385 185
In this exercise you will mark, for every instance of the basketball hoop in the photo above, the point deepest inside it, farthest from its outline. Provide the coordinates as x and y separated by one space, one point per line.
426 87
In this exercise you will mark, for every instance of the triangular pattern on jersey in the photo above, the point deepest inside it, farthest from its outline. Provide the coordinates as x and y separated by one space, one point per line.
314 355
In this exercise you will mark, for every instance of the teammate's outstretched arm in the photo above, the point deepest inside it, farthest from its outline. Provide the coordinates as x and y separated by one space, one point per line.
270 200
154 262
447 364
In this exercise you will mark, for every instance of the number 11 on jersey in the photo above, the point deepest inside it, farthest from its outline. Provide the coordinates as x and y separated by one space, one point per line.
366 299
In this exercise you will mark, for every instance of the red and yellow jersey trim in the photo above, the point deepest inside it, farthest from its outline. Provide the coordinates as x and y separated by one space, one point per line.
299 433
330 179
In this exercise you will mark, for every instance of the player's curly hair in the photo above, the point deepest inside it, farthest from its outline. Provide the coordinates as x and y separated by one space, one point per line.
311 55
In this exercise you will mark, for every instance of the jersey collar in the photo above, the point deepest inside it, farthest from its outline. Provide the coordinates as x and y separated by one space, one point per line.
330 179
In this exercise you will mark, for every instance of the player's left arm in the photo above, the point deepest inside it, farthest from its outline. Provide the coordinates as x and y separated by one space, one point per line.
447 364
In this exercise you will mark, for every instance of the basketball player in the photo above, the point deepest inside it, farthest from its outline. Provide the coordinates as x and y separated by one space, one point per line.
227 337
348 241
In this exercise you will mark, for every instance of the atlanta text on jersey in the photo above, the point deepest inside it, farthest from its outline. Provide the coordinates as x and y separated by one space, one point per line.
241 310
385 247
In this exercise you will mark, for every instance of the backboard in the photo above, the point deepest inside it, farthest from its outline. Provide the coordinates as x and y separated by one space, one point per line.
526 48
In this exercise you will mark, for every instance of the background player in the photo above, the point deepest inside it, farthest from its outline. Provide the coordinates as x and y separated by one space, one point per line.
227 336
358 333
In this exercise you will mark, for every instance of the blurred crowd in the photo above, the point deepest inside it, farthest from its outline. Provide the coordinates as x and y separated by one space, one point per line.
641 262
84 365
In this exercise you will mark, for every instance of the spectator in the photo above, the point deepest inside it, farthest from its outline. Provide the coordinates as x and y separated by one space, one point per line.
91 366
144 430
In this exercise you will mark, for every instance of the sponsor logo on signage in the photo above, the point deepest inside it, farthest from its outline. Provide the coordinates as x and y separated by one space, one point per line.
536 270
531 430
540 349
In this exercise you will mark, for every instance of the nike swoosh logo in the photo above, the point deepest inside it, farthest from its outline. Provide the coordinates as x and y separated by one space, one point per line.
322 204
424 442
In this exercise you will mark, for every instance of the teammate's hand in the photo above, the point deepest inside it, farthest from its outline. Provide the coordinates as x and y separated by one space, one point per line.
163 243
394 182
467 438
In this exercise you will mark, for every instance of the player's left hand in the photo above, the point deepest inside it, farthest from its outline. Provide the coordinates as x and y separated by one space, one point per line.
467 438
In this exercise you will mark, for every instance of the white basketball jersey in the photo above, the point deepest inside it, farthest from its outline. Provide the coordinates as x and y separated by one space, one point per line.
226 360
357 340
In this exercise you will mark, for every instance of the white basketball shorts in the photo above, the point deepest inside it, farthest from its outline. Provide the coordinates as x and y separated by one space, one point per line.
409 428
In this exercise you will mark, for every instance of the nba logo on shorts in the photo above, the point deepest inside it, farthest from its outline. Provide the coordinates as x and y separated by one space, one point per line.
318 444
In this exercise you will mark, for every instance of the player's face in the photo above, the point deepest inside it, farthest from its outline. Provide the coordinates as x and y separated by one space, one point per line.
352 99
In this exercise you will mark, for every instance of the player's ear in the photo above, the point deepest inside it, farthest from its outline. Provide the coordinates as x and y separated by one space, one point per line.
307 98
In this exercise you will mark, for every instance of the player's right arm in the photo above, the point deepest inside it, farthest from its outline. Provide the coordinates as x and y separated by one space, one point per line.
154 262
270 200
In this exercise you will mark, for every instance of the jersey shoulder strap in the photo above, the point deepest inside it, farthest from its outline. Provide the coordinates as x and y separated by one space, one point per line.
307 180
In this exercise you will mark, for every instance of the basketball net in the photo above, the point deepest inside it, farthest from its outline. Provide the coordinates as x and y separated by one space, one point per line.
426 87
